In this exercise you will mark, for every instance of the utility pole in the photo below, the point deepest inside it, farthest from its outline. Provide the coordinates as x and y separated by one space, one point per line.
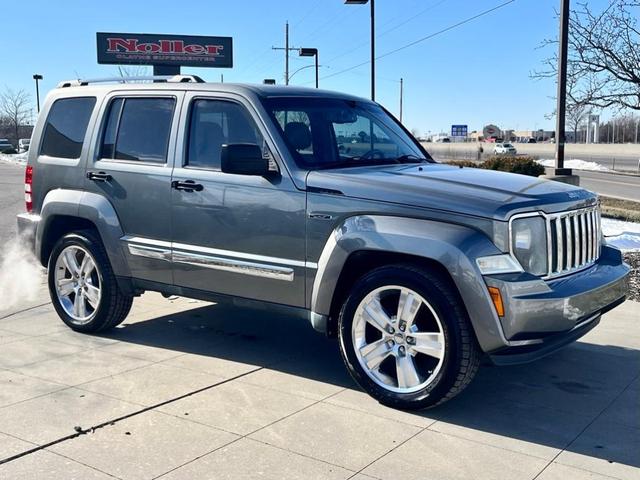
286 49
401 85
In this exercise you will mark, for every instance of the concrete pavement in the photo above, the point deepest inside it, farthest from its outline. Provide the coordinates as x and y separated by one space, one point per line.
186 389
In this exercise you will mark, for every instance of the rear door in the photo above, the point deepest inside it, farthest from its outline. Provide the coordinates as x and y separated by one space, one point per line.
131 166
234 234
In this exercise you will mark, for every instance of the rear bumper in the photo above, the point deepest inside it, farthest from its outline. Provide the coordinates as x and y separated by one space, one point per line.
542 316
27 227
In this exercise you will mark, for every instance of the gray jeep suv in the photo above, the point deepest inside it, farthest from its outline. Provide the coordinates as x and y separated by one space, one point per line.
317 203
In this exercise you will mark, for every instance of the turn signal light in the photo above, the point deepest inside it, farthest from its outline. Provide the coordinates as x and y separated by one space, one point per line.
496 297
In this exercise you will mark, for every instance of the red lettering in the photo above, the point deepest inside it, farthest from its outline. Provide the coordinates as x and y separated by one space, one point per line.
129 45
148 47
214 49
196 49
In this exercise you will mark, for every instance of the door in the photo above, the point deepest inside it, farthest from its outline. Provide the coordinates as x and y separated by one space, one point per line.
238 235
131 166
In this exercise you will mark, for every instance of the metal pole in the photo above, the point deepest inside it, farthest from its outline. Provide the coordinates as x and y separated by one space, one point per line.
286 54
373 51
37 96
562 82
316 69
401 85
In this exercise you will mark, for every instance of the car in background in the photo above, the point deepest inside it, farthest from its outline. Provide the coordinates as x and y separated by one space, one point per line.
531 140
23 145
5 146
504 149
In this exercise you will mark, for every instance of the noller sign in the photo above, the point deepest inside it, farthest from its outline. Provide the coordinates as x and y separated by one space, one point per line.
176 50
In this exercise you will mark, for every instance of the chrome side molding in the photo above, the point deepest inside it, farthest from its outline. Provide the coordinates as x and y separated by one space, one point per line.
237 262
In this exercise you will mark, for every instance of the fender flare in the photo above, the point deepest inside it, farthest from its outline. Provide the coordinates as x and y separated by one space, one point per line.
455 247
92 207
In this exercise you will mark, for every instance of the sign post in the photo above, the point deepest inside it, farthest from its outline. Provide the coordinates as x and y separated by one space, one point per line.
166 53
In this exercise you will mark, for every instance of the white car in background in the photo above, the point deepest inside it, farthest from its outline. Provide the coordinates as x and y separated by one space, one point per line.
504 149
23 145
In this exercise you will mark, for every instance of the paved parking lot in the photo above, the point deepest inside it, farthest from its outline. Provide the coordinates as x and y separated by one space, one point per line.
191 390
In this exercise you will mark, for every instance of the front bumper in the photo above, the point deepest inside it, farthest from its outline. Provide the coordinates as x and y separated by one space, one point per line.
542 316
27 227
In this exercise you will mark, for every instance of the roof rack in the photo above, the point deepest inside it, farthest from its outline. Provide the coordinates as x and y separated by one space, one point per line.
155 78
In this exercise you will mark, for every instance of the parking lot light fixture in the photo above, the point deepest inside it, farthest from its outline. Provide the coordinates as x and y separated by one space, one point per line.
37 77
373 41
310 52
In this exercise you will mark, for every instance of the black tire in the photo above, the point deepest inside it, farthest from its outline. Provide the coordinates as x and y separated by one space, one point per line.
113 306
462 354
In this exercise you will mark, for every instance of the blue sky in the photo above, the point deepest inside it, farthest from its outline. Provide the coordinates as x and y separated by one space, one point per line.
475 74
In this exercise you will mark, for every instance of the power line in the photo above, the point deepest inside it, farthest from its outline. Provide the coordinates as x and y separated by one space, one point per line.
384 32
435 34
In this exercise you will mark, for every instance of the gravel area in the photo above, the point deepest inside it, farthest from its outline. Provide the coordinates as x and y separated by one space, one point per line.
633 259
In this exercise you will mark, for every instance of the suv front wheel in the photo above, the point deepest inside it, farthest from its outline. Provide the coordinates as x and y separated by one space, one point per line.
82 285
406 339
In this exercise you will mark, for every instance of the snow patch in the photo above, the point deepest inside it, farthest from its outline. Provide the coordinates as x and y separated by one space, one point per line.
575 164
18 158
621 234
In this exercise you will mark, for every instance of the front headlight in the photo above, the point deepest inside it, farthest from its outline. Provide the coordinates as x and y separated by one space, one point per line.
529 243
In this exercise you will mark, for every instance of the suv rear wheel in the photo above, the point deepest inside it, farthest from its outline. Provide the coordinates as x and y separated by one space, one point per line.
82 285
405 337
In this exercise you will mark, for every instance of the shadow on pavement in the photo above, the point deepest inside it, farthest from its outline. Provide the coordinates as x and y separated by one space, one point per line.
535 408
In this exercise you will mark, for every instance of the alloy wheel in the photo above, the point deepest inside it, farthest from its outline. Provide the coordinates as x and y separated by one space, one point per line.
78 284
398 339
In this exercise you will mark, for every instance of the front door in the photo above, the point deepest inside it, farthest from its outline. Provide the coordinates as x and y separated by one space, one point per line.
131 166
238 235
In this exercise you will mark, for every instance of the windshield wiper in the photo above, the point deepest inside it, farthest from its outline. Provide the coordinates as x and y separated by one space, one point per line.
410 158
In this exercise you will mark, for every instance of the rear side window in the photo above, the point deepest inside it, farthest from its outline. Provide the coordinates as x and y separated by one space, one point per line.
138 129
66 127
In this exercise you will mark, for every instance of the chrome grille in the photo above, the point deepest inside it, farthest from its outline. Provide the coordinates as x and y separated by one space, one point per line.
573 239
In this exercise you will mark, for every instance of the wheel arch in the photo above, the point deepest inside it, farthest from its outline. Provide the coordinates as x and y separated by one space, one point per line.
64 211
362 243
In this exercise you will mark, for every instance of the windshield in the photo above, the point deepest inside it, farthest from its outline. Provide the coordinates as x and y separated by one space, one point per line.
336 133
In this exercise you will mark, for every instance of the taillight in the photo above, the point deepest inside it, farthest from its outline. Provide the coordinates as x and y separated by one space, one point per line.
28 182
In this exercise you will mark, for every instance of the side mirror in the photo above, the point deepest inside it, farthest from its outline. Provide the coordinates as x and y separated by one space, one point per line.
243 159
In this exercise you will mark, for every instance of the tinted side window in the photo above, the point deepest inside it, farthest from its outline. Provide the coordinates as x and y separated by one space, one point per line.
66 127
138 129
214 123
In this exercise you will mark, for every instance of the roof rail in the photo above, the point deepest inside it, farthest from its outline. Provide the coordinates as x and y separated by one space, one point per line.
156 78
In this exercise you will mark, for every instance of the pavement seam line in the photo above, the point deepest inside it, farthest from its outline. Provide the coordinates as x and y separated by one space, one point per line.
107 423
585 429
240 437
388 452
23 310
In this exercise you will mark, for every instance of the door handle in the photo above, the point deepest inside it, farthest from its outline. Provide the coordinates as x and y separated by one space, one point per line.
99 176
187 186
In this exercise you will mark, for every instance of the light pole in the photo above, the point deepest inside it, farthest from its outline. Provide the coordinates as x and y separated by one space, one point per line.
310 52
562 85
37 77
373 41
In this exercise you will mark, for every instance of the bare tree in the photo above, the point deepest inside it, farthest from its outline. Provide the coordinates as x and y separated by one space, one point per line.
133 71
15 108
576 115
604 56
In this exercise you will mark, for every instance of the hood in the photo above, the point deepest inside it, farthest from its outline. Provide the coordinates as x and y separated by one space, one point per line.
470 191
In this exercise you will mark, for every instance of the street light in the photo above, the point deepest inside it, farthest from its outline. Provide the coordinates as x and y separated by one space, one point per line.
373 42
310 52
37 77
